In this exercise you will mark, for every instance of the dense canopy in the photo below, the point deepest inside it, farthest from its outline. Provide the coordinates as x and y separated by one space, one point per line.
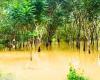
71 21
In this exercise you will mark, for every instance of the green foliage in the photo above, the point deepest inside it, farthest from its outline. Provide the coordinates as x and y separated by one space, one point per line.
2 46
39 9
21 13
73 75
69 19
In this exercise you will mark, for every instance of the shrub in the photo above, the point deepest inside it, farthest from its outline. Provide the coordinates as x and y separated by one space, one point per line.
73 75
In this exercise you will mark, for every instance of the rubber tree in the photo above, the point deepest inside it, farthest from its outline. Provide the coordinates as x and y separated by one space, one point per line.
55 14
92 9
5 24
77 12
22 17
67 11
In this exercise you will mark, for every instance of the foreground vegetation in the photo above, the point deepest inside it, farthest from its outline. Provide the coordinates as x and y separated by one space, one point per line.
73 75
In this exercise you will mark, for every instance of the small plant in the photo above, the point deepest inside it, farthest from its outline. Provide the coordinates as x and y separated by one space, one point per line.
73 75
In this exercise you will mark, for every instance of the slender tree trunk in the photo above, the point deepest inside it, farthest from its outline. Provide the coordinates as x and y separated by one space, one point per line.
78 40
92 41
73 42
97 41
84 38
89 41
84 44
97 38
78 23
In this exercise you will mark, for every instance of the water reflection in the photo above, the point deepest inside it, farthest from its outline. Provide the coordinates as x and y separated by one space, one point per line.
98 59
75 63
50 64
6 76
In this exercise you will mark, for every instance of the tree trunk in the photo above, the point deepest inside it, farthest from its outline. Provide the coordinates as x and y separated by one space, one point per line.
78 40
97 41
73 42
84 44
89 41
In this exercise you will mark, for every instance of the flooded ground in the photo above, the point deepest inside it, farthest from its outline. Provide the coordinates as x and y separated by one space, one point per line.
49 64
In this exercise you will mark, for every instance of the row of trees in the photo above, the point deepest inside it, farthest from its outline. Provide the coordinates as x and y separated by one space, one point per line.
21 21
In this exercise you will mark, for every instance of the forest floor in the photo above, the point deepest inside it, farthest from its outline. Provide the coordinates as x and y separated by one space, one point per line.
48 65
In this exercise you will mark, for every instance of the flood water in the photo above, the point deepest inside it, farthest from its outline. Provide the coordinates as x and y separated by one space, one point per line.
52 64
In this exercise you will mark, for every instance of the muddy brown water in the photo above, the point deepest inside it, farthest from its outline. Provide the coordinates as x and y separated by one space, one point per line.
50 64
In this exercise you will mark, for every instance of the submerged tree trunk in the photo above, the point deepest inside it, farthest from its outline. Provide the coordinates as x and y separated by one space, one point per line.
84 38
89 45
97 41
78 40
78 43
58 40
84 44
73 43
97 32
89 41
92 39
